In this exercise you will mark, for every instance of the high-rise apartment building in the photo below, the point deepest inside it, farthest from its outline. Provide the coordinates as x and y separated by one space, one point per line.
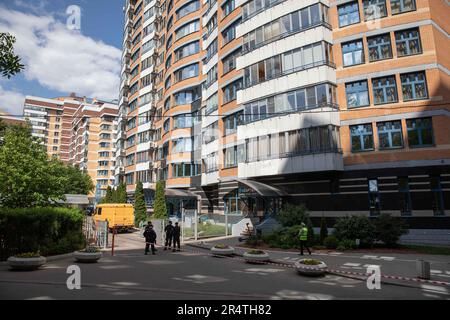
342 105
80 132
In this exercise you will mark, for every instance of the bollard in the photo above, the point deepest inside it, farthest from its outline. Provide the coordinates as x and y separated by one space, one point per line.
423 269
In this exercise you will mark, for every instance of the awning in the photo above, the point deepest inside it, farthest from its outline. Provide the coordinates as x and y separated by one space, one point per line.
263 189
78 199
171 193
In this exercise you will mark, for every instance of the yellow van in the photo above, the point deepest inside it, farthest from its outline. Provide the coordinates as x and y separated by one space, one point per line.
120 216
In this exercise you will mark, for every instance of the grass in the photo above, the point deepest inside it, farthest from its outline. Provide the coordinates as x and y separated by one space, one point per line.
428 249
207 230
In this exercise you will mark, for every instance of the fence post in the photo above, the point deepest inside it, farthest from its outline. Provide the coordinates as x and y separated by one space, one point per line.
196 225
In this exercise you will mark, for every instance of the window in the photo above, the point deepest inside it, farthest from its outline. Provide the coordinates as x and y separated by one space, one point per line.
211 133
211 162
181 145
232 203
390 134
348 14
55 148
230 157
362 137
405 196
374 9
374 197
229 34
408 42
185 120
229 62
228 7
187 96
211 76
130 160
187 29
166 125
379 47
231 123
357 94
211 104
187 72
401 6
438 197
353 53
414 86
129 178
384 90
180 170
211 50
187 50
188 8
167 83
420 132
230 91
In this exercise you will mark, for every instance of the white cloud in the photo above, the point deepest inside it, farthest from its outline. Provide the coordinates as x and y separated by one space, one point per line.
11 101
61 59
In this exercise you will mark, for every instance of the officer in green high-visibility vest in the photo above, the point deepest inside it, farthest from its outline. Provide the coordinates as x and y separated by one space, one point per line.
303 238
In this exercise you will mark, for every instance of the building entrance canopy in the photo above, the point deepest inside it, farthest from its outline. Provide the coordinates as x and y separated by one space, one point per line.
255 188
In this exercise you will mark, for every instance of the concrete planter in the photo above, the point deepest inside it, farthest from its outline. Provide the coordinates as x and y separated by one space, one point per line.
87 257
222 251
256 258
26 264
311 270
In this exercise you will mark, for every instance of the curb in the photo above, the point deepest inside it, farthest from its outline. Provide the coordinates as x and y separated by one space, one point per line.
49 258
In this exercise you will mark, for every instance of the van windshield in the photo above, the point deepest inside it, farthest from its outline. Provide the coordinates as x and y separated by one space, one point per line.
99 211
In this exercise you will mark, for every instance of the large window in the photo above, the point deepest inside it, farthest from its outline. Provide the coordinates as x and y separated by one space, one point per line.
405 196
211 77
285 26
353 53
211 104
379 47
400 6
420 132
181 145
374 197
180 170
348 14
408 42
289 62
211 50
230 91
374 9
166 125
384 90
211 133
357 94
187 50
187 29
232 203
188 8
187 72
362 137
230 157
186 120
438 196
414 86
297 100
187 96
390 134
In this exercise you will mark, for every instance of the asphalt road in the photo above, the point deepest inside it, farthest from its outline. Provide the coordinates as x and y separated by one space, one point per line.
192 275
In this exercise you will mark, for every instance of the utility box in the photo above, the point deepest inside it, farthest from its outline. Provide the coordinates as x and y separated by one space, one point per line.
423 270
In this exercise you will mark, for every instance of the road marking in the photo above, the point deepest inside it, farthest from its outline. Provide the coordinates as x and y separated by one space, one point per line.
349 264
368 257
387 258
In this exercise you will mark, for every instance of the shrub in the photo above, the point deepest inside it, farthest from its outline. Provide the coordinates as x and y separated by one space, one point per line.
293 215
331 242
45 230
346 244
388 229
310 262
355 227
255 252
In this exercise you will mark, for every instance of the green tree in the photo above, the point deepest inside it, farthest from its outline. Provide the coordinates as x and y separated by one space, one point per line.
27 177
140 208
79 182
160 208
120 194
9 61
355 227
294 215
389 229
323 230
109 196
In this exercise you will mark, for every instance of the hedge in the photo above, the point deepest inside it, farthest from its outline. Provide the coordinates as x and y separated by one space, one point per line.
49 231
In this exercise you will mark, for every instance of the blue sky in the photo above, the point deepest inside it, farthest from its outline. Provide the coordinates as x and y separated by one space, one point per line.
58 60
